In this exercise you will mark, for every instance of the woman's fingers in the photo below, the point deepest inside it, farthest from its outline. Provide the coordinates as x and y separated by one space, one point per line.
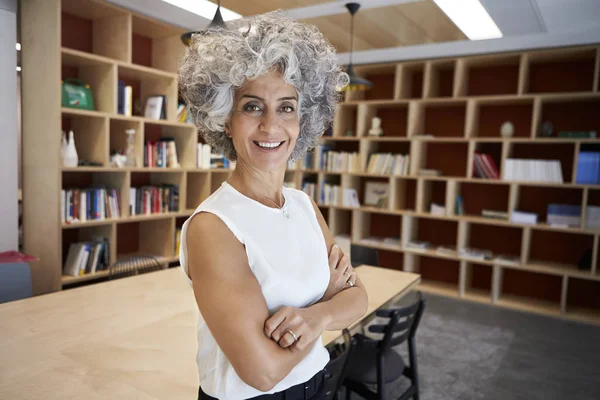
334 257
275 321
287 340
292 322
351 279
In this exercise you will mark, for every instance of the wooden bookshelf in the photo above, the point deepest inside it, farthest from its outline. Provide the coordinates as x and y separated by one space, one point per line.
440 113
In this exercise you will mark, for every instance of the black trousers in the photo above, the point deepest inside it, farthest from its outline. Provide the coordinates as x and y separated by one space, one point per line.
312 389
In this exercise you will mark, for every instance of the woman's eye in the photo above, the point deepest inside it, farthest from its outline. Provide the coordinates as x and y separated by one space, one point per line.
287 109
251 108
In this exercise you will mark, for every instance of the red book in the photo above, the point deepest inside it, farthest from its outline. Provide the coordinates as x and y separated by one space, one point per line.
491 166
478 170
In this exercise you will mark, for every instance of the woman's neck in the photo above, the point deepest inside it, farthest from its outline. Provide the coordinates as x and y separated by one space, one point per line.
262 186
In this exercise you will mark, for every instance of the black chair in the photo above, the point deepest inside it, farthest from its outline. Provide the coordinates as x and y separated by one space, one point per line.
363 255
335 371
375 362
135 265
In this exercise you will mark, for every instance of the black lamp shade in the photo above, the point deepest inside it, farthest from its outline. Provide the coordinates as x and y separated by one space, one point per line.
217 22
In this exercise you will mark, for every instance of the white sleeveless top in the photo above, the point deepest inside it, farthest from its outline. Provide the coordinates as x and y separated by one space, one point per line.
288 256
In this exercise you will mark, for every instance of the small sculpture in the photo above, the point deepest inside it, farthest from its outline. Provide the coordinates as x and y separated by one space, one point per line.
375 127
546 129
507 129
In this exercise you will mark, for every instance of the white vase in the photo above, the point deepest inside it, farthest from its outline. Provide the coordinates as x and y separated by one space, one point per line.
70 158
64 144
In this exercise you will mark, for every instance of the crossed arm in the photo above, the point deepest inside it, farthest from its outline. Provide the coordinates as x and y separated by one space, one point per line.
231 302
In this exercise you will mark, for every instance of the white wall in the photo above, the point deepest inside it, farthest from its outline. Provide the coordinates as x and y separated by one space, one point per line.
8 127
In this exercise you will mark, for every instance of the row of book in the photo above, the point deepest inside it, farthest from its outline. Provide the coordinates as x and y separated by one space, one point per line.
485 167
161 154
310 188
335 161
80 205
388 164
331 194
203 153
148 200
87 257
533 171
588 168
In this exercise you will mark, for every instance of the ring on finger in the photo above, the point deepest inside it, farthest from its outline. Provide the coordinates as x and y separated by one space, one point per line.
350 283
293 335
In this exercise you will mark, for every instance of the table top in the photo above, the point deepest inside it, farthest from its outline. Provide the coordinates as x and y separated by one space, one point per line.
129 338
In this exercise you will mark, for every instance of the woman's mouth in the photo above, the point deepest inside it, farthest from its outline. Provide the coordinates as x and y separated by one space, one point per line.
268 146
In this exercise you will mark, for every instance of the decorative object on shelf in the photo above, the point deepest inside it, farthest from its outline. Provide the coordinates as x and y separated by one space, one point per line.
349 132
217 21
459 206
64 144
155 107
494 214
131 159
436 209
375 127
118 160
507 129
70 158
546 129
356 83
377 194
172 160
76 94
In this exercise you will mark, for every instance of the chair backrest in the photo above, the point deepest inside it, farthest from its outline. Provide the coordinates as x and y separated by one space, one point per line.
402 324
15 281
363 255
135 265
335 370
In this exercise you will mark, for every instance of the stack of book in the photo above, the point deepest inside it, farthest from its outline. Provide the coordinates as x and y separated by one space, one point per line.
331 194
533 171
203 153
494 214
219 161
310 188
161 154
417 245
564 215
337 161
485 167
520 217
588 168
476 254
87 257
592 217
437 209
388 164
148 200
447 251
80 205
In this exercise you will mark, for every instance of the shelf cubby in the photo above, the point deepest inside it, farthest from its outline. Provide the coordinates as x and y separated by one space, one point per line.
450 158
493 149
99 74
561 250
185 140
442 119
198 189
119 180
488 75
491 114
383 78
411 77
478 282
394 119
535 199
391 259
405 194
345 119
154 237
477 197
500 240
368 148
428 192
438 275
139 179
582 298
339 222
118 138
96 27
371 228
155 44
563 152
439 78
571 113
557 71
434 231
90 134
531 291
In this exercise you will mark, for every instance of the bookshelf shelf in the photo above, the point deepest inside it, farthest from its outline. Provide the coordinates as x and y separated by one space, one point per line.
70 280
100 222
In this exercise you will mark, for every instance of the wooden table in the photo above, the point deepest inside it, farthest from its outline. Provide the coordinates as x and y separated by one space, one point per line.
133 338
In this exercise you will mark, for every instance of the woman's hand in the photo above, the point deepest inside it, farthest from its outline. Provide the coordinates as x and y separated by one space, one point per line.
342 275
305 323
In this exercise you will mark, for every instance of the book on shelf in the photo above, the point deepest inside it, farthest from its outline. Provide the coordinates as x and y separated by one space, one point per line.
219 161
147 200
308 162
476 254
310 188
350 198
87 257
429 172
182 113
533 171
447 251
388 164
81 205
592 217
459 208
564 215
417 245
156 107
521 217
577 134
203 152
485 167
494 214
124 99
588 168
161 154
331 194
336 161
436 209
507 259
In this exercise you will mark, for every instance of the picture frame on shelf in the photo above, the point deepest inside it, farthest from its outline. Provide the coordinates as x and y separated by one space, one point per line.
377 194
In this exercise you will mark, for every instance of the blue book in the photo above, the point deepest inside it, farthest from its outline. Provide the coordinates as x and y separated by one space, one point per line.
588 168
564 209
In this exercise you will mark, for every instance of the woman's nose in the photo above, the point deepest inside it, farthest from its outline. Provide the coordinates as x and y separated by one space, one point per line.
269 122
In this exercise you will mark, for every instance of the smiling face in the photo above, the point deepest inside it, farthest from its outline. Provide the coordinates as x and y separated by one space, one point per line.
264 123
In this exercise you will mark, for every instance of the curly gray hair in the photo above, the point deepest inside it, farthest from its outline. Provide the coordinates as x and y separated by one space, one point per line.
222 59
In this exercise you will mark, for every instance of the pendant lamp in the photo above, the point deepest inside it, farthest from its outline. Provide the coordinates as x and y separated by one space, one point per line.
356 82
217 21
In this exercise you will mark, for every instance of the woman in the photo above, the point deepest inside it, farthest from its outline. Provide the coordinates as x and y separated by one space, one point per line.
266 274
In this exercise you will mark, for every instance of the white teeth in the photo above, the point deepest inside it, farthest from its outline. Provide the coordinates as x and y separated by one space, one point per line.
268 145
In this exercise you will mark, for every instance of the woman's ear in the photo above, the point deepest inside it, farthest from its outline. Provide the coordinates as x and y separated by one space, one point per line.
227 130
